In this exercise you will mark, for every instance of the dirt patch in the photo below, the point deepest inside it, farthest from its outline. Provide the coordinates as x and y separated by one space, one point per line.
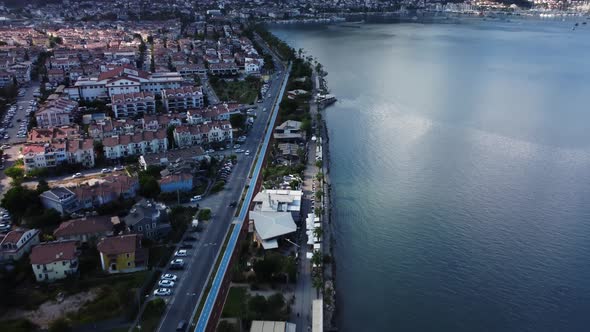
52 310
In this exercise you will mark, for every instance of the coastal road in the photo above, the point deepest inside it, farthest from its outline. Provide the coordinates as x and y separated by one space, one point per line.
202 257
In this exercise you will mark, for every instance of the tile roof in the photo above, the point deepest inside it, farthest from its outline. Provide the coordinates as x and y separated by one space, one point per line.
49 252
81 226
119 244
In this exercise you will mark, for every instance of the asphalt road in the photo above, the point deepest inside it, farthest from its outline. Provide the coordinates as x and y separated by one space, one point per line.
20 114
198 265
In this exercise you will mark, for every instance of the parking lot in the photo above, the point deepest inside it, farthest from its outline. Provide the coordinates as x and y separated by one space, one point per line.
15 122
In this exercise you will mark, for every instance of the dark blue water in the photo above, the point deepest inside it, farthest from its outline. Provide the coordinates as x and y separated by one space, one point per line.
461 174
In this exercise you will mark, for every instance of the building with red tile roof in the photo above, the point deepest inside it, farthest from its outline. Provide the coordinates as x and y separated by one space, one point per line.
54 260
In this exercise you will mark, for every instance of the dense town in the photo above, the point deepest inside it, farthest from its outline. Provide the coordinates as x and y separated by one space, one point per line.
139 152
165 165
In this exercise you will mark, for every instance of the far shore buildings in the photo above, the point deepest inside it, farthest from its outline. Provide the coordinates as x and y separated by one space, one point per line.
54 260
273 215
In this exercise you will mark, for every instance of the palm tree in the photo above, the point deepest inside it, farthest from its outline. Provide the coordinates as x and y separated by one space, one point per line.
316 258
317 232
317 284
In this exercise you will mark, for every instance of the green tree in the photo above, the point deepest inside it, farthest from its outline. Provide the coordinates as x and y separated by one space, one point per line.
316 258
317 232
16 173
319 164
204 214
170 136
148 186
257 306
237 120
42 186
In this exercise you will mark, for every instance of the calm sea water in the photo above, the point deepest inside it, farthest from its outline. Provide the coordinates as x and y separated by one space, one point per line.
461 174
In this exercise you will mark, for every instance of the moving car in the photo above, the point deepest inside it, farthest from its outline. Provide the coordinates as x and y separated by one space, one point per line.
105 170
77 175
162 292
118 168
247 153
181 253
196 198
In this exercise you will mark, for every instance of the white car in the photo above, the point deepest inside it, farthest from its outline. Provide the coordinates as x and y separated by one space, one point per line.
105 170
169 276
5 146
239 150
118 168
77 175
247 153
181 253
196 198
162 292
166 283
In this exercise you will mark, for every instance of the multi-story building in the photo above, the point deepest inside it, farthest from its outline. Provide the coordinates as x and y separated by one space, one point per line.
62 199
121 80
85 230
54 260
176 182
57 112
122 254
182 98
149 219
132 104
17 243
216 131
110 189
135 145
49 155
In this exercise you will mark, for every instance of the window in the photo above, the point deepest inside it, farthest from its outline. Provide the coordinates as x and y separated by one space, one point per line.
154 225
128 263
139 228
127 255
63 263
147 226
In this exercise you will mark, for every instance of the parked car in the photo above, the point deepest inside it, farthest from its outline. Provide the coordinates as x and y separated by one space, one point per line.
196 198
105 170
169 276
233 204
5 146
239 150
77 175
177 264
181 253
247 153
162 292
166 283
118 168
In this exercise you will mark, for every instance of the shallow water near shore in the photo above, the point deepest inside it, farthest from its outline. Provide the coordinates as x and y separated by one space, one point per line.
460 164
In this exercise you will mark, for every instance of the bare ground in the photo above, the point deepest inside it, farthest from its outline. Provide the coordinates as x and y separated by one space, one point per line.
52 310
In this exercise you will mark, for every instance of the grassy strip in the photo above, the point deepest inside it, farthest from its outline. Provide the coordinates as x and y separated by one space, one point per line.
151 316
212 276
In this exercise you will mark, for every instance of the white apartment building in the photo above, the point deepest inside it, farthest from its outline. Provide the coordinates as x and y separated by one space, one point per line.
121 80
48 155
216 131
54 260
132 104
182 98
55 113
135 145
